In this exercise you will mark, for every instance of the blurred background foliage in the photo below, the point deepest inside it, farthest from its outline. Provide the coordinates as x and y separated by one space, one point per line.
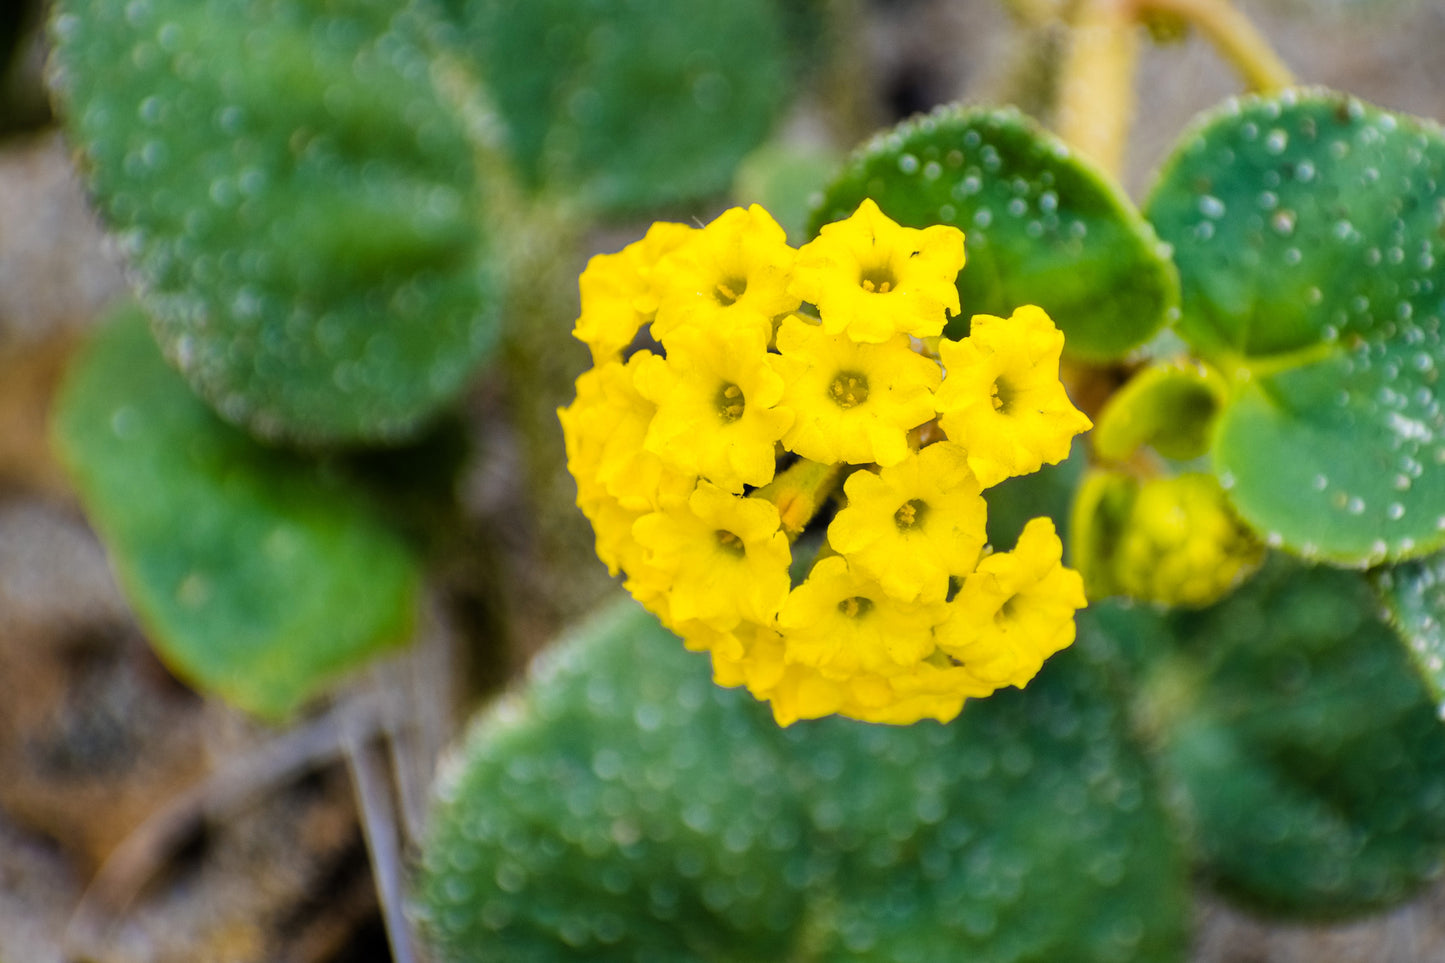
349 226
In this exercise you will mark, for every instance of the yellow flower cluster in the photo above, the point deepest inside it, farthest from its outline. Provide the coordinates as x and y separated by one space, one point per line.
786 459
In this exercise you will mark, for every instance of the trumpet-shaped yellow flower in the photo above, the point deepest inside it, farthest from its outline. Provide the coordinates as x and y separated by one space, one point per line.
618 297
621 552
717 414
1014 610
793 691
915 524
925 691
1001 397
874 279
604 429
599 430
842 622
731 274
726 556
752 655
852 402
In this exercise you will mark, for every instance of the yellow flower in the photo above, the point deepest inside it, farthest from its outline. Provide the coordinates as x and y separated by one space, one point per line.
1001 397
717 400
617 292
1015 610
793 691
753 657
620 551
913 525
796 691
874 279
853 402
617 480
604 430
732 274
842 622
925 691
726 556
802 692
611 521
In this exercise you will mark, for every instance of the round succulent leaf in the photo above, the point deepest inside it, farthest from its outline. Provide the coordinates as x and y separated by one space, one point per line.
951 836
630 103
1305 218
256 575
1041 225
1307 751
1341 460
1309 230
1414 598
298 201
622 807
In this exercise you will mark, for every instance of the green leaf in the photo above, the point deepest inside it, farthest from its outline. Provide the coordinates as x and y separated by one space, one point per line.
257 575
1309 756
621 807
1340 460
630 103
1414 597
1308 232
298 200
1169 407
1041 226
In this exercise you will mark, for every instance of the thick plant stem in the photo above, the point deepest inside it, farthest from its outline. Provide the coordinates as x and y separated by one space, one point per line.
1096 94
1233 35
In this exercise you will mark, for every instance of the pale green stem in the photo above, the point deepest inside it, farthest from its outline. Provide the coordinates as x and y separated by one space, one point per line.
1096 93
1233 35
799 492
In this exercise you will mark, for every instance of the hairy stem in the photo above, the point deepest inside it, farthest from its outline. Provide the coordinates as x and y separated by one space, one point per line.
799 492
1096 92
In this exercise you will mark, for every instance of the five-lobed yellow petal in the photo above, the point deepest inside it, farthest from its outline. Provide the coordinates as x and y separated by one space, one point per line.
853 403
914 525
1001 397
875 279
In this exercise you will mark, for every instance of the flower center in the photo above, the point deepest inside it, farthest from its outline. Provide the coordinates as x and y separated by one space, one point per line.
730 543
729 290
1008 610
910 516
849 388
879 280
855 607
1002 396
730 403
